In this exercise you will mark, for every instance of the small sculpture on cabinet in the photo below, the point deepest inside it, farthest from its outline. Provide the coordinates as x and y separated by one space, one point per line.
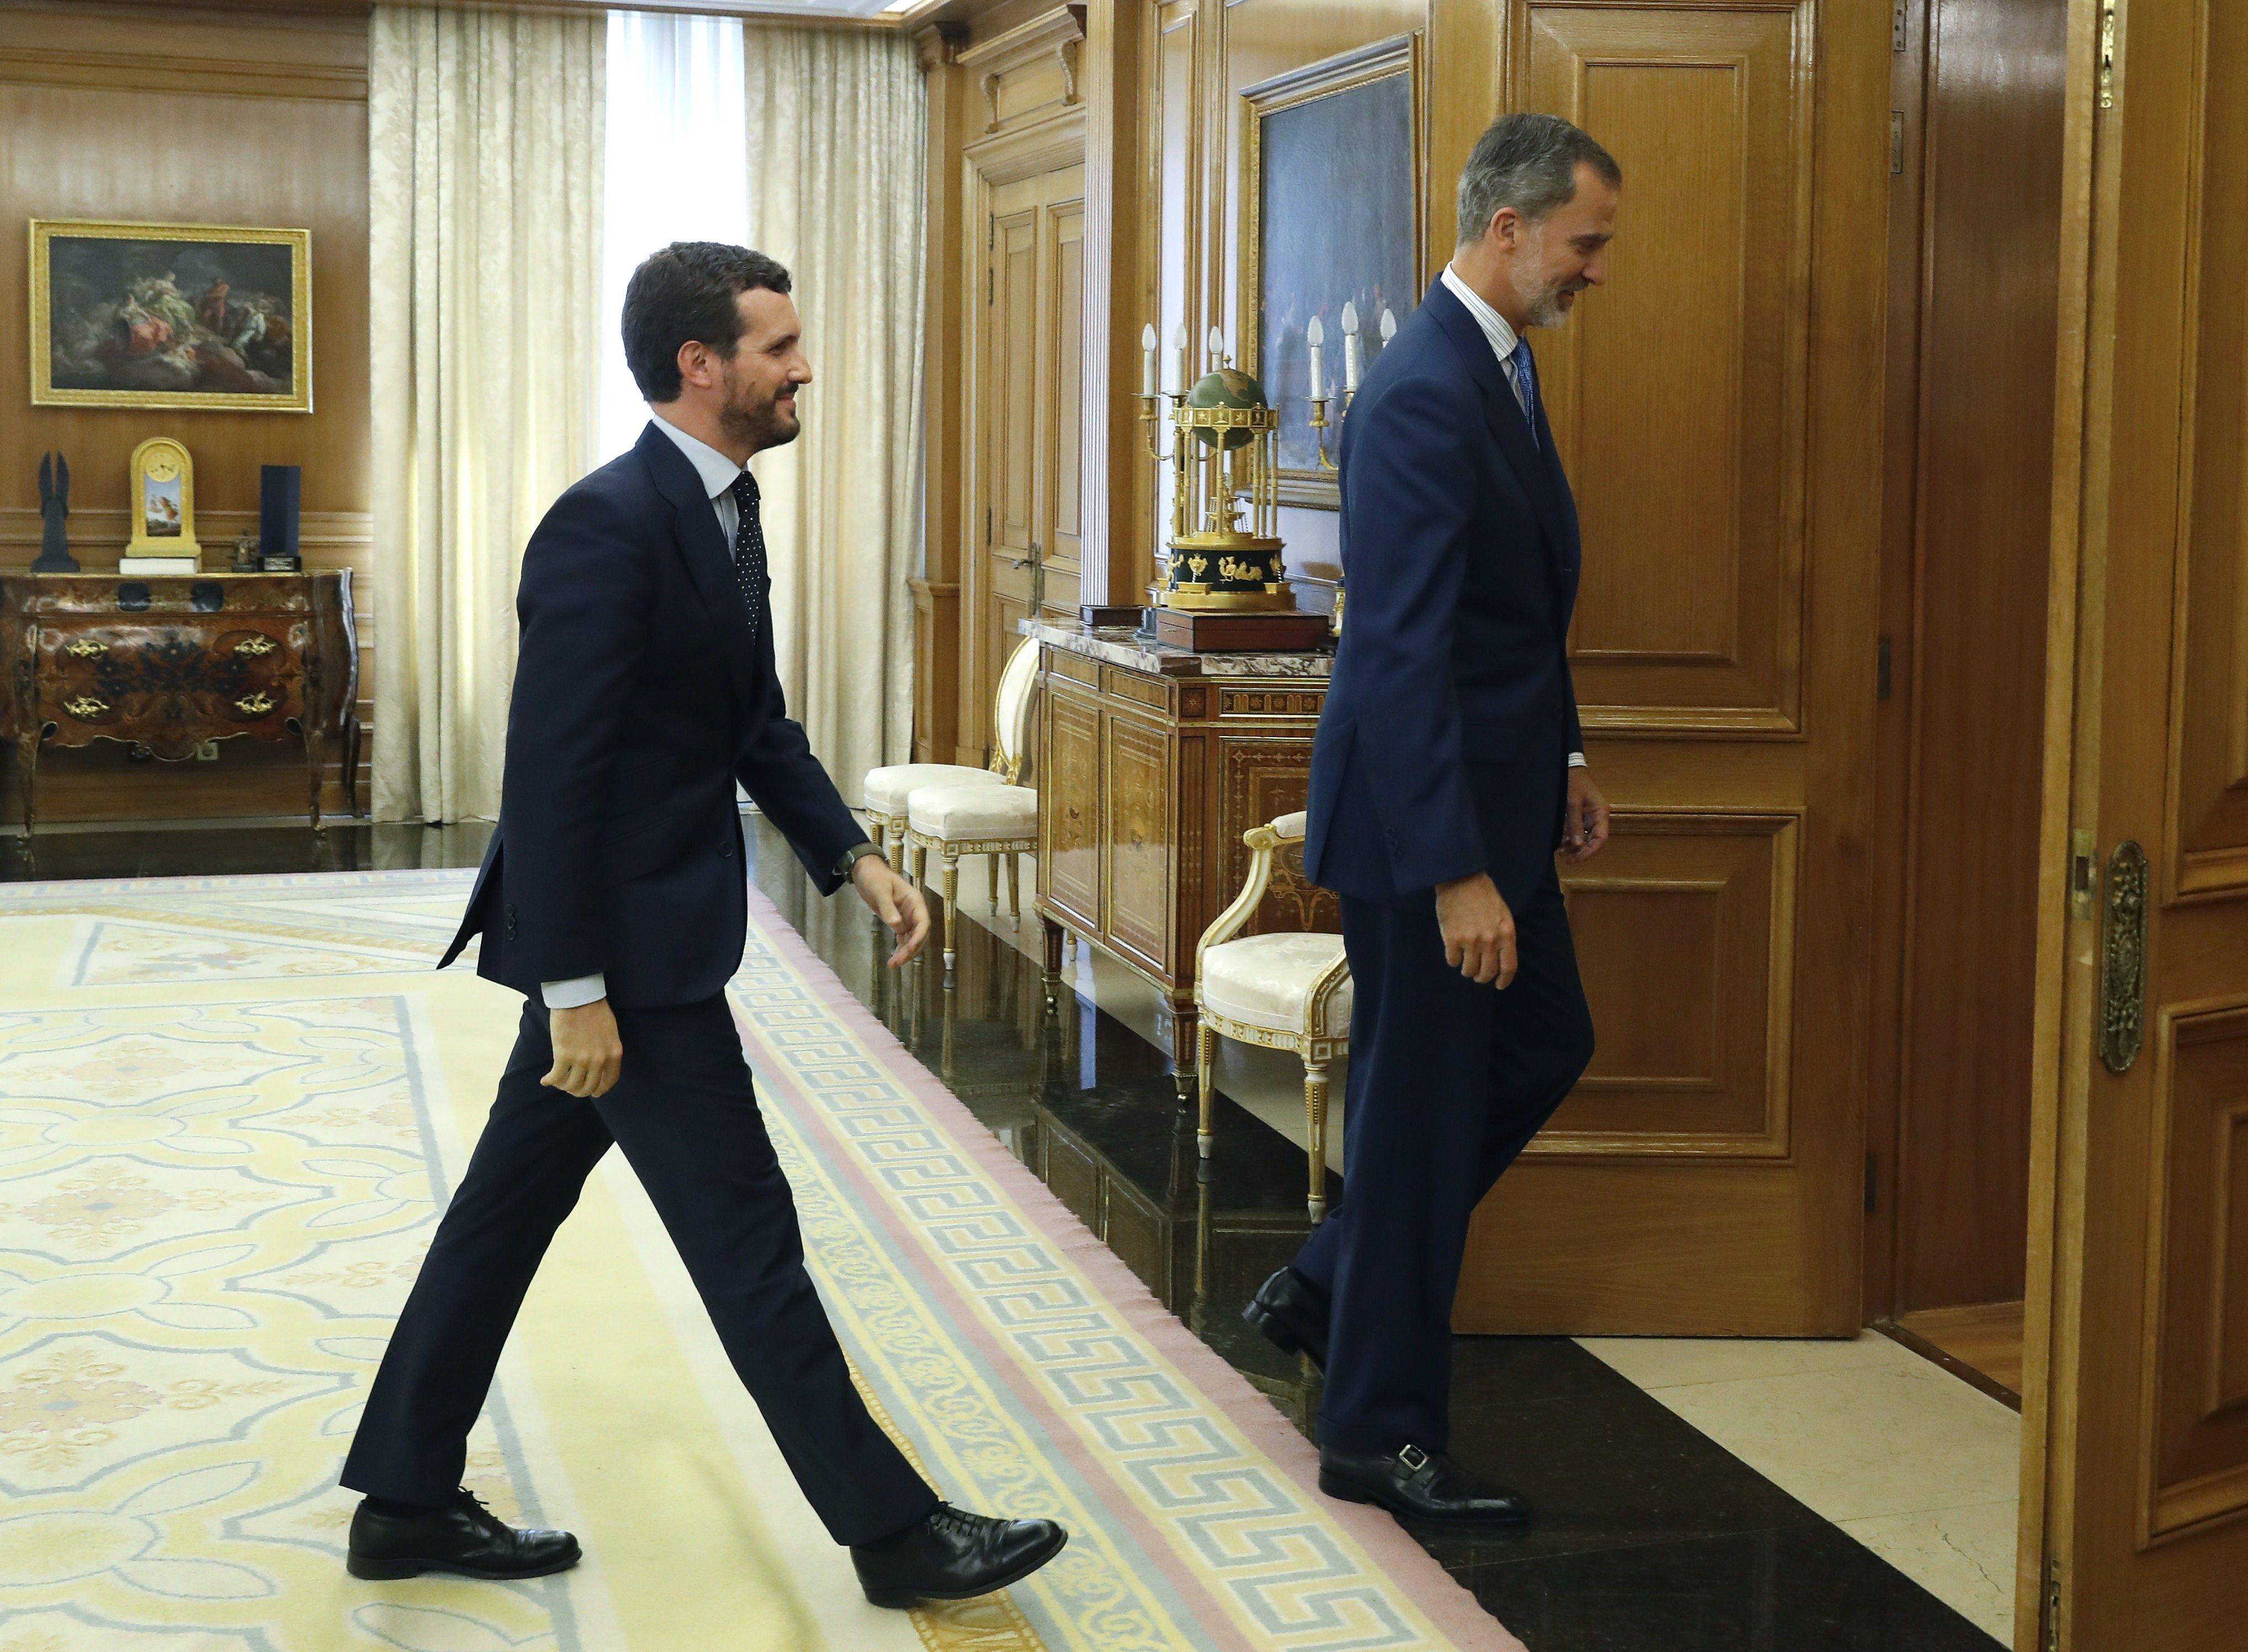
54 506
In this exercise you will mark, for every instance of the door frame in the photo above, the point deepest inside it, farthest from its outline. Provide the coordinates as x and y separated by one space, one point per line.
987 166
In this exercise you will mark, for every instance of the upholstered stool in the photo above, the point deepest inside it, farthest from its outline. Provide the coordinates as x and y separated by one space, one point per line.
1283 991
887 791
954 820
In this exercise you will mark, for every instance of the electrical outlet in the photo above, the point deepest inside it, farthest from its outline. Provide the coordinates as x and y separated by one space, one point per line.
207 752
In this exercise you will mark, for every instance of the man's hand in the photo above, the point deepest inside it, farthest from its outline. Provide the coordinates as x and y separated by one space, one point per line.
1478 929
1587 827
588 1055
895 902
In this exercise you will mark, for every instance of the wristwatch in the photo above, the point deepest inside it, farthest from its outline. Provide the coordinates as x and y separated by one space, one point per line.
851 857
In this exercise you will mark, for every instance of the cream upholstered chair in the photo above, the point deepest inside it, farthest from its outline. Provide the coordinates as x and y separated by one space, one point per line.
888 789
1284 991
976 816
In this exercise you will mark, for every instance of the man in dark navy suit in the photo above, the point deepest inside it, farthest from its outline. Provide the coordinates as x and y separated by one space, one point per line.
1447 770
613 897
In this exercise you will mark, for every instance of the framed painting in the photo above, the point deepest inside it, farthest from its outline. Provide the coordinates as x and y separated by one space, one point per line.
1333 163
170 315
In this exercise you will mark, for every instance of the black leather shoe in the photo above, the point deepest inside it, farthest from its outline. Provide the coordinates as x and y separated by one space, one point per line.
1415 1485
1292 1312
953 1555
463 1537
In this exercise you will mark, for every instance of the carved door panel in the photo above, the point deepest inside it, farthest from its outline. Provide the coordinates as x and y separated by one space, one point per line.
1140 764
2135 1517
1029 344
1707 1176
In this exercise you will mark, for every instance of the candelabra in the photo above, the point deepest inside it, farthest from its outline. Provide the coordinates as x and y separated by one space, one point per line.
1315 335
1222 463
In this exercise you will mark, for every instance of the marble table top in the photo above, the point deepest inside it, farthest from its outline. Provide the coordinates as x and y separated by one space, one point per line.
1122 646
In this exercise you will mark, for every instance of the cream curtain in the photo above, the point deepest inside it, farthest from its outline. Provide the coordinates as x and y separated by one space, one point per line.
836 144
484 178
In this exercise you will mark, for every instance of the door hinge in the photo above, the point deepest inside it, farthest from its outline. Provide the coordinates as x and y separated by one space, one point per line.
1873 1184
1883 683
1898 22
1896 143
990 286
2108 54
987 525
2051 1604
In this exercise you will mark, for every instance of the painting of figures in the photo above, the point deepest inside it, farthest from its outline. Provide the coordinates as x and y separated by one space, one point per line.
1335 220
170 316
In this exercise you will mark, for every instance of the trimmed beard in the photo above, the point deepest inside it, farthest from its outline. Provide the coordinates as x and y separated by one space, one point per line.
757 425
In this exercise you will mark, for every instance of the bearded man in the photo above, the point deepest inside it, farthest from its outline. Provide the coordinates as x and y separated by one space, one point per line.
1447 770
613 897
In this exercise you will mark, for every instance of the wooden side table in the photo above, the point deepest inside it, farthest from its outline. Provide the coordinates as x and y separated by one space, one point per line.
170 662
1153 762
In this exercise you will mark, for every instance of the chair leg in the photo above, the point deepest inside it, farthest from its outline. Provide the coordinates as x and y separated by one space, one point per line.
888 835
1206 1055
951 900
1011 864
1315 1114
991 885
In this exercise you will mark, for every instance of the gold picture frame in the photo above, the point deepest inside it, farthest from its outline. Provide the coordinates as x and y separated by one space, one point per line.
178 316
162 484
1340 86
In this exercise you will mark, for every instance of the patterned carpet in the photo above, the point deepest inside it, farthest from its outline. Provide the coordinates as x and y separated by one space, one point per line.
229 1112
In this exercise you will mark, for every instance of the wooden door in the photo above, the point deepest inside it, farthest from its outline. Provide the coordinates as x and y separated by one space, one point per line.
1029 345
1717 406
2135 1508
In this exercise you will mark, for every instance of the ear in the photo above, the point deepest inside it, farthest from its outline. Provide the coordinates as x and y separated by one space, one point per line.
693 360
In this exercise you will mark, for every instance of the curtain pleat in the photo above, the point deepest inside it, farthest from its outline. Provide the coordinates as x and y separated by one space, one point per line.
484 175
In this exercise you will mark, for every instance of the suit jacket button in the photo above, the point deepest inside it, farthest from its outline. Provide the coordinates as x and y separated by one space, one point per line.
726 849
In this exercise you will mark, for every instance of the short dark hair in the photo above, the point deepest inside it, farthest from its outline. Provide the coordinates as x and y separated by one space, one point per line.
1529 162
686 291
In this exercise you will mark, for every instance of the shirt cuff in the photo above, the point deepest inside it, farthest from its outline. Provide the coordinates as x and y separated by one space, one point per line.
1577 760
574 994
851 857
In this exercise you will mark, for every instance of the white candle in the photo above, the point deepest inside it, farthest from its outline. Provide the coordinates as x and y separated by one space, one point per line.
1217 343
1350 348
1179 345
1148 363
1388 324
1315 335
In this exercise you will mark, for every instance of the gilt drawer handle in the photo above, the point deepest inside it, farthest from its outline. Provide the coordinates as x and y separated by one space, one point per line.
256 646
85 706
255 705
85 648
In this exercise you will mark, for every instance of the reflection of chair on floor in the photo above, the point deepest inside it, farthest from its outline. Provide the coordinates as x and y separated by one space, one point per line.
888 790
977 817
1284 991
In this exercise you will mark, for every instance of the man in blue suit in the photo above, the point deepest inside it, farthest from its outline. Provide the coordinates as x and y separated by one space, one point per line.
1448 770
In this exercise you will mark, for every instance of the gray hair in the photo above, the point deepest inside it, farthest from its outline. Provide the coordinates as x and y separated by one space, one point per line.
1529 162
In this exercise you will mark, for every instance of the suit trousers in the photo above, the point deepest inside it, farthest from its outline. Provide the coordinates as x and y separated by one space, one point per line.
685 1114
1449 1081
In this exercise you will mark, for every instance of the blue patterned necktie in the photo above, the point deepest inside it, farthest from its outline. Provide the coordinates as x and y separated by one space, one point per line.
1526 384
750 551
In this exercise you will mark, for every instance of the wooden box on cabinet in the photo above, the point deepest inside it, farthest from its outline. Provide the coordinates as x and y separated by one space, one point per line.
1153 763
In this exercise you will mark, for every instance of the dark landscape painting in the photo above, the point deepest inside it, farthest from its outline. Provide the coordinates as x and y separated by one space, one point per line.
1336 225
173 322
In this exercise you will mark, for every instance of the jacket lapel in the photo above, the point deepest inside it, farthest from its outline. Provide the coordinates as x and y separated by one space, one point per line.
703 548
1503 413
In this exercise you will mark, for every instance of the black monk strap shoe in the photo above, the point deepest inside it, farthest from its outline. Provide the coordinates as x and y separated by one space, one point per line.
1291 1312
1415 1485
462 1537
950 1554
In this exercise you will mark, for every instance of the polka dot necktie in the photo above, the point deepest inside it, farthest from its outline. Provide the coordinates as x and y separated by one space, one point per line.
1526 384
750 551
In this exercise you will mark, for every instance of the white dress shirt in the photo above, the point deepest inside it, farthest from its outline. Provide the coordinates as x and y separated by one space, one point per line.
717 472
1500 331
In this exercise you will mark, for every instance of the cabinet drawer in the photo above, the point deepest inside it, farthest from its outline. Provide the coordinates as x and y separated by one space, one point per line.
1152 692
1062 663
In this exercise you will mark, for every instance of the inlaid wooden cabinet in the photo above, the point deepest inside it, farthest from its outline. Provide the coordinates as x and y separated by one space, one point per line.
1153 762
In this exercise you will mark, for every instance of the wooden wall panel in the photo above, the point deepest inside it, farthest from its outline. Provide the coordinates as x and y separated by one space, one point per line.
1685 929
1138 767
140 113
1069 858
1678 395
2198 1359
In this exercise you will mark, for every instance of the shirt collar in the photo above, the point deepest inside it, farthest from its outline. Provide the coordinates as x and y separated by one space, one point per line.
718 472
1495 325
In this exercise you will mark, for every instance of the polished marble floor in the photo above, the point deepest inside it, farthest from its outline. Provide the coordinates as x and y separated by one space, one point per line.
1684 1501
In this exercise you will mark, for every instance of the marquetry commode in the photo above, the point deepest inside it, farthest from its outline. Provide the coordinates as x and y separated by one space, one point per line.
1152 763
170 662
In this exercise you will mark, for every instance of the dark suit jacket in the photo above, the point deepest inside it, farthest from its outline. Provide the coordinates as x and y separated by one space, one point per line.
1441 749
640 698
